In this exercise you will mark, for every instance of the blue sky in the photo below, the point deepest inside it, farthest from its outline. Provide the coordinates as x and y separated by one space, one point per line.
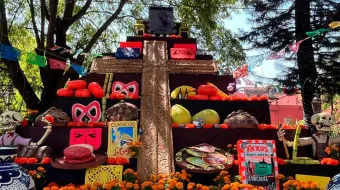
239 21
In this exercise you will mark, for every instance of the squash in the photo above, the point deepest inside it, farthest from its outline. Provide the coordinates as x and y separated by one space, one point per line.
207 90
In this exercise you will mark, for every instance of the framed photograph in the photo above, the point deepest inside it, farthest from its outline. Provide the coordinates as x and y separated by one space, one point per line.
120 134
161 20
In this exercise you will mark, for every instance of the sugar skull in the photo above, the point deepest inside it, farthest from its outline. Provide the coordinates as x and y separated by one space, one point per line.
92 137
128 89
323 122
91 112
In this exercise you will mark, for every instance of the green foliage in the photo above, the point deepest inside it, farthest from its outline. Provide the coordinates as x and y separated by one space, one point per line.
205 17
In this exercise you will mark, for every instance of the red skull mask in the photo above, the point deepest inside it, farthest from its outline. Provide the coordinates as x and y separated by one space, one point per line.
128 89
90 112
92 137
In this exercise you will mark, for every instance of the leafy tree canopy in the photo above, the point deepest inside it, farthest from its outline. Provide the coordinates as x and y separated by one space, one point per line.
97 26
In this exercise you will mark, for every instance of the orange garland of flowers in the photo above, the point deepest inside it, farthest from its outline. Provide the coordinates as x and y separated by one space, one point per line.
174 181
288 183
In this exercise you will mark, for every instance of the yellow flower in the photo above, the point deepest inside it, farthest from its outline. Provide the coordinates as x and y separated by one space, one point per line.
38 176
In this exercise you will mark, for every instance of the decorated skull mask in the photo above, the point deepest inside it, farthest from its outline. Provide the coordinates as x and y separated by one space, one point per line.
323 122
9 120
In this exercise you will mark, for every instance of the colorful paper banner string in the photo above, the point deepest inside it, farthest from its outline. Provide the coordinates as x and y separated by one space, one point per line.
316 32
335 24
277 55
241 72
79 69
295 47
103 174
35 59
56 64
8 52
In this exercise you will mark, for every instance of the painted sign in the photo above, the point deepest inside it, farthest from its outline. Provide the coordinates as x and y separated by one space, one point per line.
182 53
119 135
91 136
258 163
132 45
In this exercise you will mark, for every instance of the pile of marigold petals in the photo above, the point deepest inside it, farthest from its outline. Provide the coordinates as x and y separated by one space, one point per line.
31 160
285 127
330 162
117 161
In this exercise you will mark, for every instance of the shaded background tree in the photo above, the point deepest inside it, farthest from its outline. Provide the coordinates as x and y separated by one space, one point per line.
276 24
95 26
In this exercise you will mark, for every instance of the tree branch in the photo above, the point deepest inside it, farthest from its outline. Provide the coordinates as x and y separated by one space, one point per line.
15 14
81 13
69 8
35 28
44 6
16 74
52 23
99 32
42 28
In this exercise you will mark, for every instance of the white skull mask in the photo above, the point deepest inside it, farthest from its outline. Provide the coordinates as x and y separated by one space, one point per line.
9 120
323 122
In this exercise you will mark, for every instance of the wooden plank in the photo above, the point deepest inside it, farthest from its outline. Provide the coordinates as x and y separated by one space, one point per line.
104 66
192 67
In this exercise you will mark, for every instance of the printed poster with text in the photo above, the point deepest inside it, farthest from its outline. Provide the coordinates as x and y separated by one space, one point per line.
258 163
120 134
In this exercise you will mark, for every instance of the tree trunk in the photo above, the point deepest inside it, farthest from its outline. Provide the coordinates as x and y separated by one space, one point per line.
15 72
305 57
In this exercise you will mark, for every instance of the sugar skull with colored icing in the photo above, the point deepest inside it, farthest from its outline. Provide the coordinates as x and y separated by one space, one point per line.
86 136
89 113
128 89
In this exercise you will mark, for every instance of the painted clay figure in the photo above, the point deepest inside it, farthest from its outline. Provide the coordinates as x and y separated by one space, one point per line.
8 122
320 139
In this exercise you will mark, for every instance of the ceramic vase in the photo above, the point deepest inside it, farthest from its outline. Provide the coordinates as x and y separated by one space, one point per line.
13 176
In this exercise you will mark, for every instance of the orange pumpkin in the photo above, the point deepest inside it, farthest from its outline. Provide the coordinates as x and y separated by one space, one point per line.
207 90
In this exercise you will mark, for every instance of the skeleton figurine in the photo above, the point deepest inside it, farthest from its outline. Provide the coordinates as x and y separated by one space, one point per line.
8 122
320 140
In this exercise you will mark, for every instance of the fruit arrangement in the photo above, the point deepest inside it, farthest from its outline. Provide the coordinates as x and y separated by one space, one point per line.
78 89
180 115
210 92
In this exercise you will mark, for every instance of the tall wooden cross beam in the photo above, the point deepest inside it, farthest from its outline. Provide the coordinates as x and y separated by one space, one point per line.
157 154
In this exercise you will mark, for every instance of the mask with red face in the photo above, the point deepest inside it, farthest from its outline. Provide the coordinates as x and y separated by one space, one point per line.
92 137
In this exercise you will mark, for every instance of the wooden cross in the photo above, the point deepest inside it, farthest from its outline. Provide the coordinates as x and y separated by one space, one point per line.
157 154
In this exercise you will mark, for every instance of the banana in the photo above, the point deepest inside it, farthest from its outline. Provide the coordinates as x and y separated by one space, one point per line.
182 90
191 93
219 92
